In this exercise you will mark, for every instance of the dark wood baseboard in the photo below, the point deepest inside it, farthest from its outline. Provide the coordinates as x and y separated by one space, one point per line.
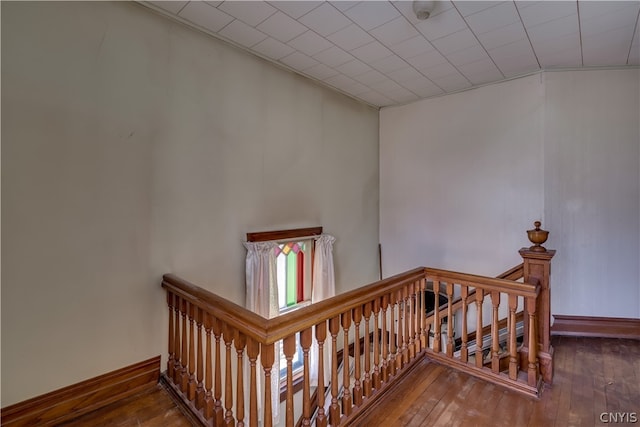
78 399
602 327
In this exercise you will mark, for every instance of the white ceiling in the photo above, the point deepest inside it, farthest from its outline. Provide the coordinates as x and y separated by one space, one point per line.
380 53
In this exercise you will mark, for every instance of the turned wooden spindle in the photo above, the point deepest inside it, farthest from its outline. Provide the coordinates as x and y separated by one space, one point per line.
177 341
366 384
437 333
347 402
208 375
479 336
464 350
321 336
289 347
334 410
191 386
400 344
376 344
200 362
184 372
393 334
385 340
305 343
450 343
495 343
218 410
228 334
267 357
171 359
253 349
424 332
240 342
357 387
513 351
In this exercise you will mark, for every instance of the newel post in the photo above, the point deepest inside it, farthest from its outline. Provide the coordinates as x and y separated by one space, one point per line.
537 265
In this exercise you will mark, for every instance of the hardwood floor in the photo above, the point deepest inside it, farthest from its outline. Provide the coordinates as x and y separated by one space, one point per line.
593 376
149 409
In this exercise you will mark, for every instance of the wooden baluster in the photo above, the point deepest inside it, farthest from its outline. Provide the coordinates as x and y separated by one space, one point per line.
228 335
184 373
305 342
393 336
177 342
513 351
415 348
267 357
253 349
464 350
479 337
437 333
495 339
191 386
240 341
407 336
171 360
400 344
208 375
385 340
532 373
450 343
424 333
376 344
200 370
289 347
321 336
357 387
218 411
334 411
346 392
367 350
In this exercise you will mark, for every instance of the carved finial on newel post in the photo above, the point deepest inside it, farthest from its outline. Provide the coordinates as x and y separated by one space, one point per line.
537 265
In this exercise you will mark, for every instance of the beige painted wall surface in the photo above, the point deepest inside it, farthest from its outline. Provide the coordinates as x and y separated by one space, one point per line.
592 191
134 147
463 176
458 178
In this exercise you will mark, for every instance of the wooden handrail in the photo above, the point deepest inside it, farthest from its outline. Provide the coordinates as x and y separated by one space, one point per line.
488 284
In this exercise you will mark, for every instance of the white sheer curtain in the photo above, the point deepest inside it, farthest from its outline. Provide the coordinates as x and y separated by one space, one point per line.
324 286
262 298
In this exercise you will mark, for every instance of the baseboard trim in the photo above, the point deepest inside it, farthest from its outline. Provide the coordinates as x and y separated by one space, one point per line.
78 399
598 327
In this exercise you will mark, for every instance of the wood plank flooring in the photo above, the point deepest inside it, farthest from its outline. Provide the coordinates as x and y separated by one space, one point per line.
592 376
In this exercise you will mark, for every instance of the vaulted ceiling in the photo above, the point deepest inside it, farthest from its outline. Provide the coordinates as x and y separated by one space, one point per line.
380 53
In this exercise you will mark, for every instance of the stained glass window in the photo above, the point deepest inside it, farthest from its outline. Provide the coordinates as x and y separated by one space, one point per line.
290 272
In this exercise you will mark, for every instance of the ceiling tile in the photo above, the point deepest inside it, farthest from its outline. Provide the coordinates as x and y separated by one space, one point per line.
442 24
320 71
438 71
555 58
465 56
553 29
272 48
421 86
298 61
325 20
369 15
205 16
412 47
371 52
353 68
467 8
452 82
493 18
608 48
350 37
427 59
249 12
480 72
333 56
502 36
389 64
596 9
395 31
515 58
402 95
483 77
371 77
170 6
556 44
344 4
296 9
310 43
456 41
545 11
634 53
406 9
281 27
213 3
241 33
405 74
614 15
375 98
347 84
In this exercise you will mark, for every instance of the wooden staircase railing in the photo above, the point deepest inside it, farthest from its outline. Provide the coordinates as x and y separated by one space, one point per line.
218 349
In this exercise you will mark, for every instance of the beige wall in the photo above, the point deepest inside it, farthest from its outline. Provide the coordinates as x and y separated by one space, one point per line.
133 147
463 176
